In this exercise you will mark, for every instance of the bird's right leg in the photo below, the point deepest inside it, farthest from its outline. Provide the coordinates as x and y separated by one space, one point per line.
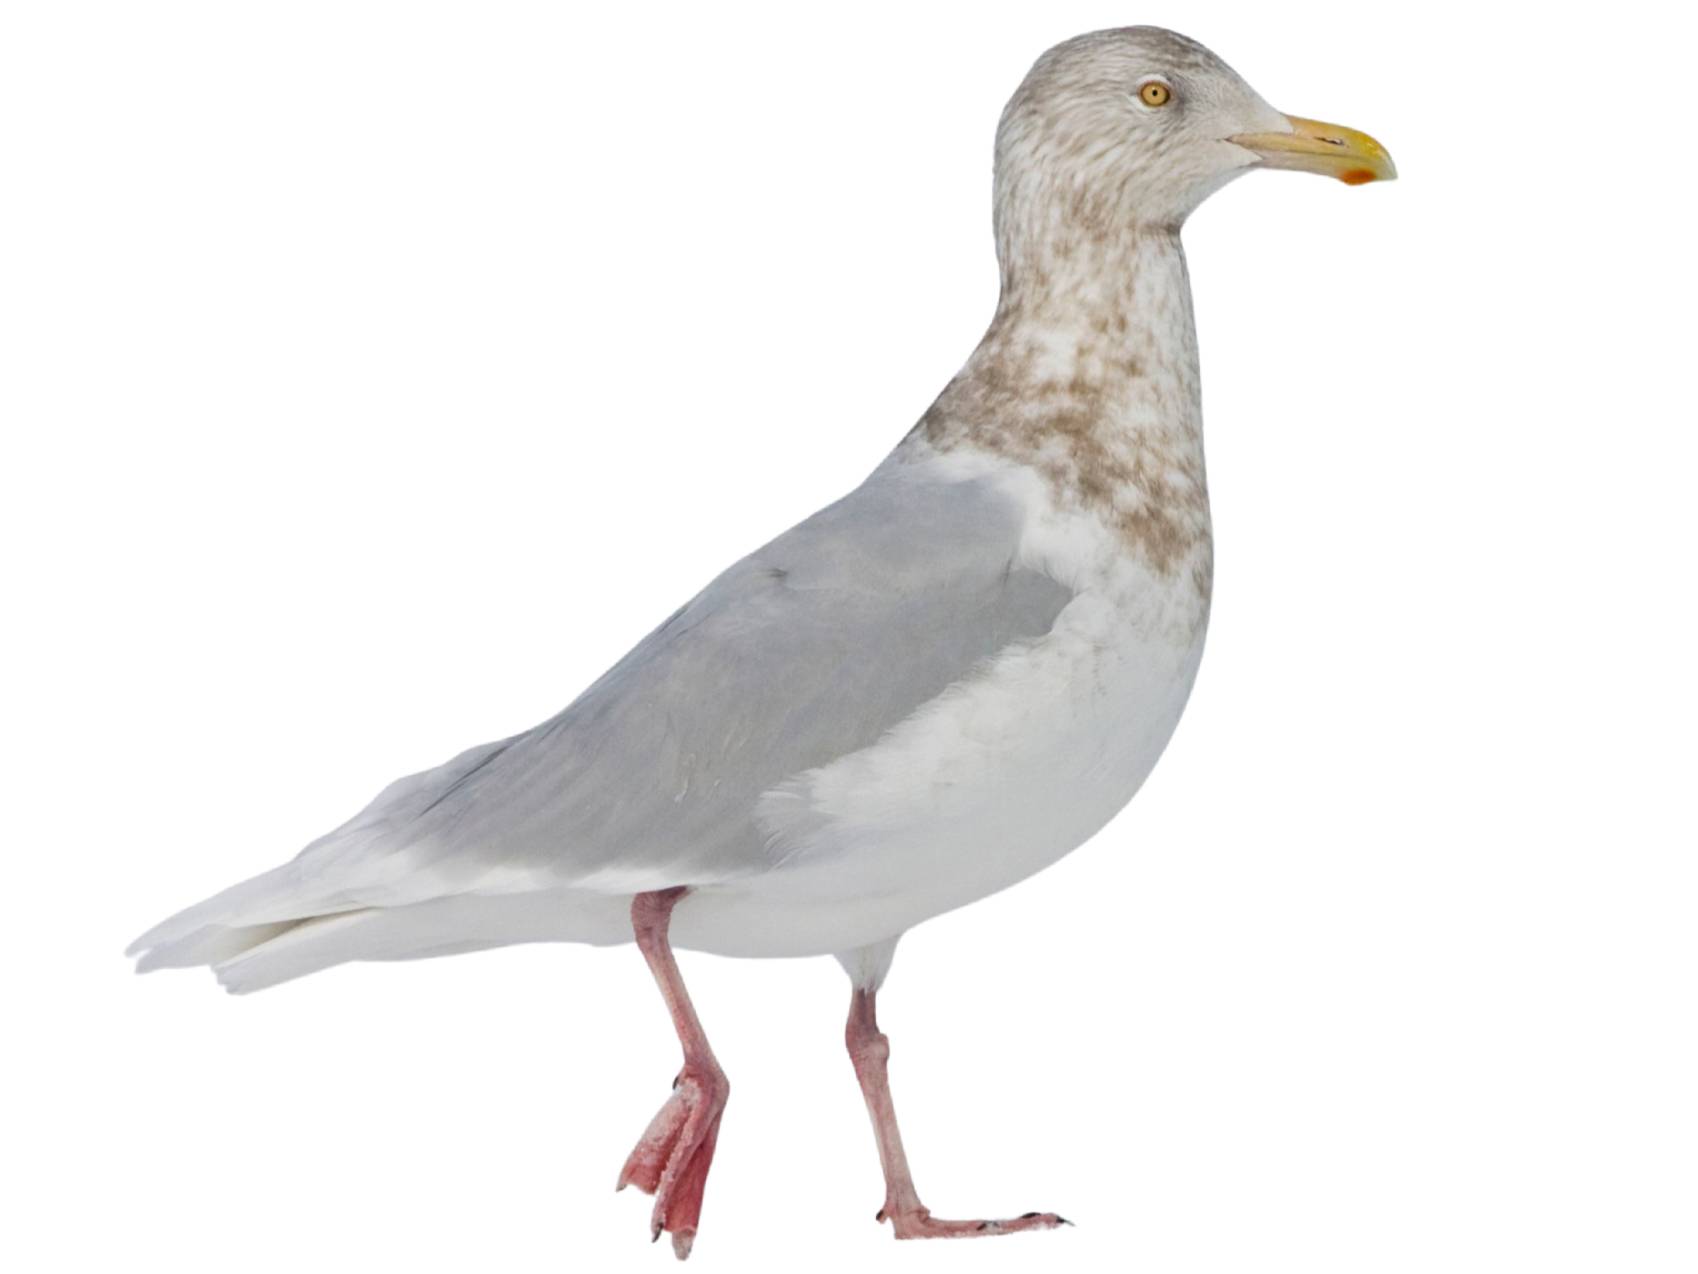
671 1161
869 1051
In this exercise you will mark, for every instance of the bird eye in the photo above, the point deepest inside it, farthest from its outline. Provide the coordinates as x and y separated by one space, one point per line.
1155 93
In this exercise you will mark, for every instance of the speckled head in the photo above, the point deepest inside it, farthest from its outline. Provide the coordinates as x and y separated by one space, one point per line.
1088 374
1133 128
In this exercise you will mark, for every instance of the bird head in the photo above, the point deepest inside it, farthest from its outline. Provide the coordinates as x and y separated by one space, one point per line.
1131 129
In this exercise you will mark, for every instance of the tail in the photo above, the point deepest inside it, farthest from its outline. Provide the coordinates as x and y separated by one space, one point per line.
251 935
253 956
368 864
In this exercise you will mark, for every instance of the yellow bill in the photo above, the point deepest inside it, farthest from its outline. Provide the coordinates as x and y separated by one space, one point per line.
1329 149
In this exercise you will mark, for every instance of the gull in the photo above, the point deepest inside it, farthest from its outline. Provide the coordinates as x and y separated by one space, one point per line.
925 692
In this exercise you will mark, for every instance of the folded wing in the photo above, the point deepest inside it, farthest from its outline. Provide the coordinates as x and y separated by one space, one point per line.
806 650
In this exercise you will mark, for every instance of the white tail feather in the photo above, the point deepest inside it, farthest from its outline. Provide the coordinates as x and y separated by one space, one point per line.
212 944
302 948
252 957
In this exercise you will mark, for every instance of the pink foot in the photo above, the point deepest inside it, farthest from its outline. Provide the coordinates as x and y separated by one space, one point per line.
919 1223
869 1050
671 1160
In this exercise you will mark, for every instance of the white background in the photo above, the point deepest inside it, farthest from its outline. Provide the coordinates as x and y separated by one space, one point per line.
374 375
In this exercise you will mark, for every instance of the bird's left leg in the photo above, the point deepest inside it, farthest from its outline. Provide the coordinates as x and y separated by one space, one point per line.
672 1159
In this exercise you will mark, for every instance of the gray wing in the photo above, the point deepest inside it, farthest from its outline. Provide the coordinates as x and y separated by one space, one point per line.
808 649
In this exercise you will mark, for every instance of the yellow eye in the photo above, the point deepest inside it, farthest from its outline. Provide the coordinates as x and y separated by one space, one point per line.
1155 93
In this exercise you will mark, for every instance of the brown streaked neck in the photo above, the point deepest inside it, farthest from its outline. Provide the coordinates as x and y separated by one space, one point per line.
1123 301
1093 324
1088 375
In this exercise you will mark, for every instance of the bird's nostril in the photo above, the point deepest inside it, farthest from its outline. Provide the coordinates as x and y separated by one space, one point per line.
1333 141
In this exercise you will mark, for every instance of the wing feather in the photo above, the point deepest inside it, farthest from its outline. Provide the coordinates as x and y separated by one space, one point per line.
808 649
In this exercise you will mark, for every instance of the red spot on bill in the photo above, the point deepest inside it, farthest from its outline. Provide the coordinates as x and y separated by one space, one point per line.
1355 176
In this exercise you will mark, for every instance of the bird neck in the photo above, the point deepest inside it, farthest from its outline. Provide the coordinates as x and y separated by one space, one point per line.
1088 374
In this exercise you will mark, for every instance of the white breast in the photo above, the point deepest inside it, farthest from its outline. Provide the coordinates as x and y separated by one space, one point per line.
997 778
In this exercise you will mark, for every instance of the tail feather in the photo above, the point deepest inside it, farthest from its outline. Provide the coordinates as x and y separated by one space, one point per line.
211 944
270 898
369 861
252 957
302 948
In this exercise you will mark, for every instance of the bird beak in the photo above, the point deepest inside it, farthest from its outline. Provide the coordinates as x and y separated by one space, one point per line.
1329 149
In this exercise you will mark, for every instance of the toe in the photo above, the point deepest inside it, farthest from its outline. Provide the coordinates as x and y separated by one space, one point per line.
922 1225
659 1143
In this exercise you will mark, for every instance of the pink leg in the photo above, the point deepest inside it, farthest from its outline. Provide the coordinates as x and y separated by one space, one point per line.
671 1161
869 1050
